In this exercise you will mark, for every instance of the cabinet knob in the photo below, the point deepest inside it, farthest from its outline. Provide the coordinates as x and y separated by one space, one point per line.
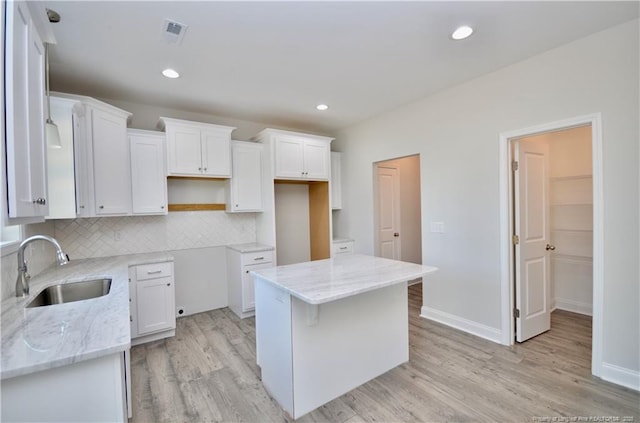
168 284
102 207
200 169
82 207
205 169
40 201
162 207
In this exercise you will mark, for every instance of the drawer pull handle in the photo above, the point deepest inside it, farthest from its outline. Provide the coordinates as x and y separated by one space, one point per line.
258 258
343 248
153 272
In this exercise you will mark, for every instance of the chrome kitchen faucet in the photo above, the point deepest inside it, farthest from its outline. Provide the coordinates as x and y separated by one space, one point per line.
22 282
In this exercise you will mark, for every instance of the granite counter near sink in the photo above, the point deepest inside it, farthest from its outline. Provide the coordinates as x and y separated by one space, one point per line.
41 338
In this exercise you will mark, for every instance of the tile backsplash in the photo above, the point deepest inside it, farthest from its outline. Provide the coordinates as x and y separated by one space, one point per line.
110 236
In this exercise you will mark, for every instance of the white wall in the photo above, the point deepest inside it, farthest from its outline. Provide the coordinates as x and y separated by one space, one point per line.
292 223
457 132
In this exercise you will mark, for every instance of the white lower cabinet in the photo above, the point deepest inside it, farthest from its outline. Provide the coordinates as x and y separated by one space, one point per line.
342 246
152 302
242 259
87 391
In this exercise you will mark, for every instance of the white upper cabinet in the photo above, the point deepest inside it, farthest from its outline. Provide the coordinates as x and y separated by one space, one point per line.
197 149
101 157
148 180
336 181
25 115
244 189
111 168
300 156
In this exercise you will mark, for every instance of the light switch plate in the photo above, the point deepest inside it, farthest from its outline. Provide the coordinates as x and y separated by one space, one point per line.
437 227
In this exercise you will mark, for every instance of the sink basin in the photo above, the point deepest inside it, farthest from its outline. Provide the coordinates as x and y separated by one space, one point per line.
69 292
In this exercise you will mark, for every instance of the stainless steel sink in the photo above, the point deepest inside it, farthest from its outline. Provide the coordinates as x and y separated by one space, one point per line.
69 292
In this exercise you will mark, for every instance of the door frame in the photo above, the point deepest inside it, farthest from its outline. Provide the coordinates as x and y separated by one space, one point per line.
506 228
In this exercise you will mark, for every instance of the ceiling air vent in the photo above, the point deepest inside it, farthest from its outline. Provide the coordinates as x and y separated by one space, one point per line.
173 31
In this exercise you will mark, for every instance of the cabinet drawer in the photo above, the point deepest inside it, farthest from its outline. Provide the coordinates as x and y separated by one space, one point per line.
153 271
257 258
342 248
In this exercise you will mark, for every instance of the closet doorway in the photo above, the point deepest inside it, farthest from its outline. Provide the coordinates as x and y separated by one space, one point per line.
575 225
397 209
553 226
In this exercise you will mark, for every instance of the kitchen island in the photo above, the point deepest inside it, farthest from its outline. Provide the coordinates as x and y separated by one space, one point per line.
325 327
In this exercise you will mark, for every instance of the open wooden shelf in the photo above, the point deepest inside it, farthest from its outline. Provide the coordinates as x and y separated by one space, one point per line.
196 207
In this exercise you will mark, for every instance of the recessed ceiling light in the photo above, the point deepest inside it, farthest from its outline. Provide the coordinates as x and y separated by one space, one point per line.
322 107
170 73
462 32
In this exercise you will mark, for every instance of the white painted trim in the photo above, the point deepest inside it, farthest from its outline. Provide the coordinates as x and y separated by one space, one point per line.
460 323
573 306
620 376
506 252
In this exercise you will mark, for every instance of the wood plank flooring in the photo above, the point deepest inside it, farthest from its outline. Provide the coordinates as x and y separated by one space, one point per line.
207 373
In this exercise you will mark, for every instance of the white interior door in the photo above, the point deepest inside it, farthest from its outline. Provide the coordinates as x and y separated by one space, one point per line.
388 206
532 255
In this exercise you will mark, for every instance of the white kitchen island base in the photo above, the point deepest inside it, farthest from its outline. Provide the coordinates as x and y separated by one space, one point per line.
310 354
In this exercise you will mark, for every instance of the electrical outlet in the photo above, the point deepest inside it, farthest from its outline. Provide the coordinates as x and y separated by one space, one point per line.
117 235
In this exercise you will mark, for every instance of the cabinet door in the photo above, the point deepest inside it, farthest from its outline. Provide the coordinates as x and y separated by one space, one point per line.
155 305
289 156
216 154
83 160
111 164
248 290
184 154
24 100
336 183
246 183
316 160
148 180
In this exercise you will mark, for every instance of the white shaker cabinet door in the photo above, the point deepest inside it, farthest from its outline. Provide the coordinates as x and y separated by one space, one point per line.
216 154
184 151
148 180
155 305
316 160
246 184
289 157
24 102
111 164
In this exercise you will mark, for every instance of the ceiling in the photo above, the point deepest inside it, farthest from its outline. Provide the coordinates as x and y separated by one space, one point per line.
273 62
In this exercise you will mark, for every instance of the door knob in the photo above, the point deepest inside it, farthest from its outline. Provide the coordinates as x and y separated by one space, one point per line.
550 247
396 234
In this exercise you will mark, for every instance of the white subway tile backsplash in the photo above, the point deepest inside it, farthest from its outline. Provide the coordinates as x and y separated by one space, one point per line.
109 236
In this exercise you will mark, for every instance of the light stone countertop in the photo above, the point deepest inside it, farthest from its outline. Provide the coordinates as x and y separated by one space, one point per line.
41 338
250 247
337 240
322 281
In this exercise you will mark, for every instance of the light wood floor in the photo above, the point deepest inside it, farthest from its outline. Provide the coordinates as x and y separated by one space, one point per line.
207 372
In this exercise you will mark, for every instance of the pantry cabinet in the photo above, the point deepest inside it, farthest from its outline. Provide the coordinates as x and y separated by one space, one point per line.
197 149
25 115
152 302
148 181
244 189
298 157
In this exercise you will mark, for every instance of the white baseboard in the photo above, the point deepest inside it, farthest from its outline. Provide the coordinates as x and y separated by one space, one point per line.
621 376
465 325
573 306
